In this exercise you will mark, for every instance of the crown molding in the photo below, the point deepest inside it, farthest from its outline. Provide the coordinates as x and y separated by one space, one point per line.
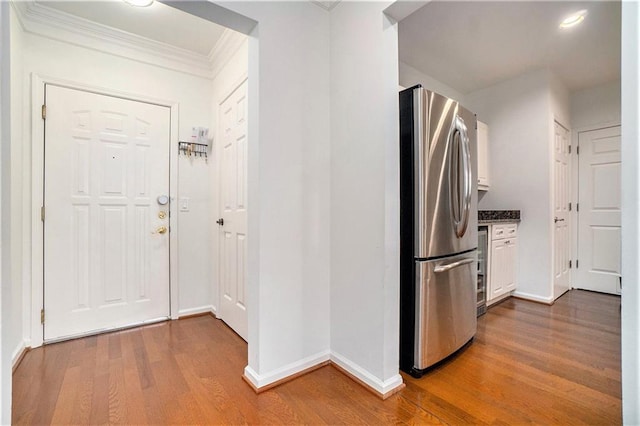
38 19
326 4
226 46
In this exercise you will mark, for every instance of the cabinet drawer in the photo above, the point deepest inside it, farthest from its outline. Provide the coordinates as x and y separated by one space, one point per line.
504 230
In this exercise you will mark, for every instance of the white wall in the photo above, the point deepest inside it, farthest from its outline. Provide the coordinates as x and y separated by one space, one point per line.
517 112
91 67
224 82
630 217
595 106
365 193
560 103
18 245
288 205
15 333
5 209
410 76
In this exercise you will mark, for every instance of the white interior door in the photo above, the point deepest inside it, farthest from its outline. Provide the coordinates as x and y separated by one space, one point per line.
561 216
599 212
106 240
233 222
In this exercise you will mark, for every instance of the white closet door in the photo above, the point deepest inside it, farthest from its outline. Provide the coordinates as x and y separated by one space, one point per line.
561 215
599 218
233 189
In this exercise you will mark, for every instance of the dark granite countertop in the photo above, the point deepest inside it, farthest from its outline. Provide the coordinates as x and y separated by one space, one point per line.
497 216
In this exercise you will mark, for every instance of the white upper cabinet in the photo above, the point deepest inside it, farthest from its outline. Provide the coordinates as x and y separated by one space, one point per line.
483 156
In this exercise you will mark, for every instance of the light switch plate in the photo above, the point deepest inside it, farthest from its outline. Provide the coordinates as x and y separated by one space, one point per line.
184 204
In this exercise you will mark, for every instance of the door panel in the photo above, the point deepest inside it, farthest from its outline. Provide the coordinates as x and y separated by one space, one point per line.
446 176
106 161
561 215
599 215
511 270
233 187
445 308
499 268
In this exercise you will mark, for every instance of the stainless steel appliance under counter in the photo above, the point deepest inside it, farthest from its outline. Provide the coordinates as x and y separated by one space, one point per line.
438 228
483 253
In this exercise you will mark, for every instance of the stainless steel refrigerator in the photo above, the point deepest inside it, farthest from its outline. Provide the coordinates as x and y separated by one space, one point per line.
438 228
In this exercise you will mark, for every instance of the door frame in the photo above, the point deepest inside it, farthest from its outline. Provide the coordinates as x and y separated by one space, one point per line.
35 302
218 191
575 178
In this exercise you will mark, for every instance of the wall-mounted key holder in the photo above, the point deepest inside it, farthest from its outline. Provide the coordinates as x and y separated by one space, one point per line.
193 149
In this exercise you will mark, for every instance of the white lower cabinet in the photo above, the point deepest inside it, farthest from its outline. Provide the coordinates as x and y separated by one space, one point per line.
503 261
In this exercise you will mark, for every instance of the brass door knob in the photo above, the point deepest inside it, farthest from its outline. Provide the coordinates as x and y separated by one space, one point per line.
161 230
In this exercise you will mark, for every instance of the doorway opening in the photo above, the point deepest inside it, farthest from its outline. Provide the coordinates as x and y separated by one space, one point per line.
110 55
520 93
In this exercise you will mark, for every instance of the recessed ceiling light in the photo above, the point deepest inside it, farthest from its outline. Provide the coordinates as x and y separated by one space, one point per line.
573 19
139 3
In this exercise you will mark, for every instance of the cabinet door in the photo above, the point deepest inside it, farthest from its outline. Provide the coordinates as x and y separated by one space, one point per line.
483 156
499 268
511 254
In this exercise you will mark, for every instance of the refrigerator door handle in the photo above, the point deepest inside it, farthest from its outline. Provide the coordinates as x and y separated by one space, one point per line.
468 186
461 172
449 266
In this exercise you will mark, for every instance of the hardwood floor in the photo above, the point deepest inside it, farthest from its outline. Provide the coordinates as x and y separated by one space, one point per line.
529 363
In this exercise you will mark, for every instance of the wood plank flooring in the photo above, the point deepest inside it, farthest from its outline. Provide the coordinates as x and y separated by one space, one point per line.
529 363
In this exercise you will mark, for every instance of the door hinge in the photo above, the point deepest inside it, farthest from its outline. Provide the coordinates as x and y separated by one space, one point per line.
569 264
44 112
569 206
569 149
576 263
577 207
42 213
41 316
578 150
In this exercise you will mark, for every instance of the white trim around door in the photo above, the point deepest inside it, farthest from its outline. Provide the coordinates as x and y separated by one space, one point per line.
35 303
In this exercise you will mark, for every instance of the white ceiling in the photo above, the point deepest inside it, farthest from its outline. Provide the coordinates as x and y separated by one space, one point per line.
475 44
157 22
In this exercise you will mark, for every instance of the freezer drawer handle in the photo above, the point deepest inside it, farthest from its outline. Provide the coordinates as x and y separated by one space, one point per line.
450 266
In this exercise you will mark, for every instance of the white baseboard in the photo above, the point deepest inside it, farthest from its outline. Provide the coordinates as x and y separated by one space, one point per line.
195 311
382 387
533 297
18 353
262 380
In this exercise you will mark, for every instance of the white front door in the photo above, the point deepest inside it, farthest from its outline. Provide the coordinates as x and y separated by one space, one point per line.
599 212
233 222
561 216
106 254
